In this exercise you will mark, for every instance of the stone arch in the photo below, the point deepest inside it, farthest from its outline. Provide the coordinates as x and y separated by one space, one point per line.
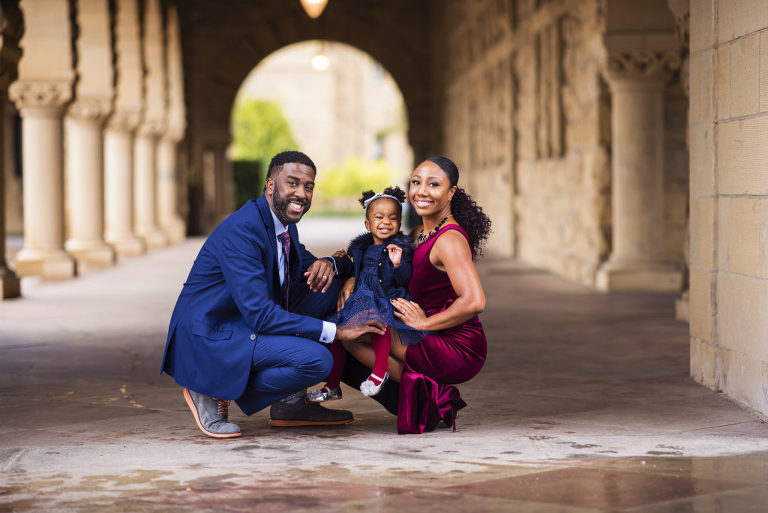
394 33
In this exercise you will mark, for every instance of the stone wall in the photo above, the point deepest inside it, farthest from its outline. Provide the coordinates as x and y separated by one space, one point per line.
526 116
729 198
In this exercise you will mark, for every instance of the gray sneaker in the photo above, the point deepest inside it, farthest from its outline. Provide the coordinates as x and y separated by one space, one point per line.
211 415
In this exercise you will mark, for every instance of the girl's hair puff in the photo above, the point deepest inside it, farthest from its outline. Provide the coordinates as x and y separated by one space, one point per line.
395 192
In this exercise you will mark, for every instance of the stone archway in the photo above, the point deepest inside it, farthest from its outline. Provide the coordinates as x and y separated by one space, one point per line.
217 61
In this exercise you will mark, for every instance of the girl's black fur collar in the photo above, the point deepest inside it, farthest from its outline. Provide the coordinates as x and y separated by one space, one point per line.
361 242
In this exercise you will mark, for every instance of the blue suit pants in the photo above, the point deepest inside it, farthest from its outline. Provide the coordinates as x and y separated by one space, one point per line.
283 364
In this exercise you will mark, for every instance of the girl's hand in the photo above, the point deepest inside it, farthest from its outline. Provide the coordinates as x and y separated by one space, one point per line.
344 293
395 254
409 312
339 254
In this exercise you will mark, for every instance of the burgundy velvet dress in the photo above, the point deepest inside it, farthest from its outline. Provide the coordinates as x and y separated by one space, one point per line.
442 358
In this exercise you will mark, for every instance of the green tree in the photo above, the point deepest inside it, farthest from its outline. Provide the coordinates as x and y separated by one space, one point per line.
338 188
260 130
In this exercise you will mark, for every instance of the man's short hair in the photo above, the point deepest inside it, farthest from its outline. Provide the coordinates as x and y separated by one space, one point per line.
287 157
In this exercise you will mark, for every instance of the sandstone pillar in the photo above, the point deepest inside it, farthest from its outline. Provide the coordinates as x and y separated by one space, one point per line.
84 123
85 189
9 282
41 93
153 125
118 190
636 81
12 29
168 203
144 184
119 133
42 107
168 172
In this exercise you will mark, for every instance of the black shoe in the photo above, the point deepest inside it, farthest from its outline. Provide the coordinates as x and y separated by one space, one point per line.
300 413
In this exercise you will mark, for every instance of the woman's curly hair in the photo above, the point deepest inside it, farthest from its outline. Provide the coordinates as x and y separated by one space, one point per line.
395 191
465 210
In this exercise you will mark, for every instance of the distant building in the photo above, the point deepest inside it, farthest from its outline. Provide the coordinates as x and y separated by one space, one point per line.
352 108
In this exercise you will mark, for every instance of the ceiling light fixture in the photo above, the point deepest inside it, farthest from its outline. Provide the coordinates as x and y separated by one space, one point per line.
314 8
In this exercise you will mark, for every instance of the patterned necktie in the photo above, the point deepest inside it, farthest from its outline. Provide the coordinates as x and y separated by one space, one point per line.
285 239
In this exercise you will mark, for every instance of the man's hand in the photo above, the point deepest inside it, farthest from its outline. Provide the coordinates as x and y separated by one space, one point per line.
395 254
319 275
345 292
354 331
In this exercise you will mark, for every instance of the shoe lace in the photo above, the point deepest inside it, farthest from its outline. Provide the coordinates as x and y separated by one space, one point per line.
223 407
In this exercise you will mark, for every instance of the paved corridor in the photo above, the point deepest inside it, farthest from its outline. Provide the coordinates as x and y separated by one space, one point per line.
585 405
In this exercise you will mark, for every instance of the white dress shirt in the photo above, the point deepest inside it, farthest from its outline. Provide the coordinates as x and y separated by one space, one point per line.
329 328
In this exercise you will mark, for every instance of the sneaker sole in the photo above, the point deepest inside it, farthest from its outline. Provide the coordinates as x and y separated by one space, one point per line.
191 405
294 423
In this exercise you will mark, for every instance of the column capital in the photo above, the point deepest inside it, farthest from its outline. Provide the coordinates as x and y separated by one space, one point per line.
90 109
124 120
640 66
152 128
34 94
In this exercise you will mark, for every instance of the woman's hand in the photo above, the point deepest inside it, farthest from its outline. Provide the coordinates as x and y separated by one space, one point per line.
395 254
344 293
409 312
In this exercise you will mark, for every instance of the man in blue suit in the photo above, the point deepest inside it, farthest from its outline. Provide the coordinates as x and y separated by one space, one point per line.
248 322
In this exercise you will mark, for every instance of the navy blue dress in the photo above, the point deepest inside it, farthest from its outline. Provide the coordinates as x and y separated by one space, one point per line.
369 301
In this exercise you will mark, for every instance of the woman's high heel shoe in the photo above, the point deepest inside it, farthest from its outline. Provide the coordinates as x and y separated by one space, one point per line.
369 388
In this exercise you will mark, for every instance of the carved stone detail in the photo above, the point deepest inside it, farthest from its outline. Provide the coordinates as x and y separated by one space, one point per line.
90 109
641 65
124 121
40 95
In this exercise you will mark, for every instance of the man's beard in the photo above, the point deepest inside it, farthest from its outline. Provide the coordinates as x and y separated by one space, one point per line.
280 205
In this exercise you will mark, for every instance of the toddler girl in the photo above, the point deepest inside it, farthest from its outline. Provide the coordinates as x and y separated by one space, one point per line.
382 267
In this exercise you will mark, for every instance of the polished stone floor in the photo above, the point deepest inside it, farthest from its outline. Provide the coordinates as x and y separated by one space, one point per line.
585 405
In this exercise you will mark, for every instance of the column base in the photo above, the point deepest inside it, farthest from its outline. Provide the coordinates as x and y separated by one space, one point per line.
154 239
91 253
127 245
53 264
175 229
10 285
658 277
683 307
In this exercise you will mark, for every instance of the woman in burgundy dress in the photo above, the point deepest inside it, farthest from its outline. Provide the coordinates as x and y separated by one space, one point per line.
445 284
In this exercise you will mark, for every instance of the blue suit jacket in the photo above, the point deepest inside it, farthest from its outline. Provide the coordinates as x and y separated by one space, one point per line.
231 297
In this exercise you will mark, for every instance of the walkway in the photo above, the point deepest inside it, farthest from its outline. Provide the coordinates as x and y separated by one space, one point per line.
585 405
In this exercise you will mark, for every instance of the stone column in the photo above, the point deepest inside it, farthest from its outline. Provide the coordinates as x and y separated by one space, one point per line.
11 32
9 282
41 94
636 81
225 185
118 187
85 184
41 105
168 175
94 93
145 190
153 125
119 133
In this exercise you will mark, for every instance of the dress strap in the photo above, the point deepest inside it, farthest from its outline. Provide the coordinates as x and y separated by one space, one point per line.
431 241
